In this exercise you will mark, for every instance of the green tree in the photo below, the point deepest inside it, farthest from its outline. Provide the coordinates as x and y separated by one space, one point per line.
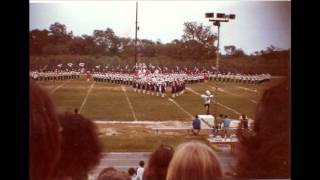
77 46
230 49
58 34
199 33
38 39
147 48
108 43
238 52
198 41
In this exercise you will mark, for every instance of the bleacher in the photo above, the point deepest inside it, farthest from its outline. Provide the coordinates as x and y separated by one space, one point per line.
124 160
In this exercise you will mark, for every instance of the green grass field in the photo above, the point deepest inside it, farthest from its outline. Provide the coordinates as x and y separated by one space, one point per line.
108 101
111 102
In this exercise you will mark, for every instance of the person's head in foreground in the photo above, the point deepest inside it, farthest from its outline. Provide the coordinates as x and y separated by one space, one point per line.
141 164
44 135
132 172
111 173
158 163
81 148
193 161
265 152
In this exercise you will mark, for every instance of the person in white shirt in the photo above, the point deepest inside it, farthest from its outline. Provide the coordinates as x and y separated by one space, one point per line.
133 175
207 100
140 169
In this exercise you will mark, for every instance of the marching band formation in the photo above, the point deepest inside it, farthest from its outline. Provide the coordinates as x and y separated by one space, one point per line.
240 78
152 83
149 80
127 78
54 75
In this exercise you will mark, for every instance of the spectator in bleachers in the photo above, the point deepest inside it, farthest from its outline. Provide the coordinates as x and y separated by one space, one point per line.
133 174
158 163
193 161
44 137
111 173
140 169
81 148
196 125
264 153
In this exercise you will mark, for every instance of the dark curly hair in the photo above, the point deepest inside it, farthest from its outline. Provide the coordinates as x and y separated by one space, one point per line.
158 164
111 173
265 151
81 148
44 136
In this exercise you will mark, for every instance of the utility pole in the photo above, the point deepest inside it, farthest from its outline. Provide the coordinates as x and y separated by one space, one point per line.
135 42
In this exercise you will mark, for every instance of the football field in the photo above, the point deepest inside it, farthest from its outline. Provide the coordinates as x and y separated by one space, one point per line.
103 101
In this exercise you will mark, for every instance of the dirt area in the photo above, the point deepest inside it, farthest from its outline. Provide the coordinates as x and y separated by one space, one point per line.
114 128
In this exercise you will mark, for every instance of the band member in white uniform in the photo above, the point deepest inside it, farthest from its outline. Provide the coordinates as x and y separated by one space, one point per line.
207 97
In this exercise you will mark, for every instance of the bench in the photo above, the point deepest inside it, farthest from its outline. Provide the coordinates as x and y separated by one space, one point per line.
228 141
224 131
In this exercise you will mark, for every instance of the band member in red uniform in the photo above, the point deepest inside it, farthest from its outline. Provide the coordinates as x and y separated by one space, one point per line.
88 75
206 76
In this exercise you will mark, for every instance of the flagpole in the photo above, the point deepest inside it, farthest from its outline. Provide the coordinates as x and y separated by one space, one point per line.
135 44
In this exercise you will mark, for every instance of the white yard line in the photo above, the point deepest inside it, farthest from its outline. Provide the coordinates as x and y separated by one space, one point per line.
236 112
248 89
194 92
174 102
129 102
224 91
253 101
227 92
85 99
56 88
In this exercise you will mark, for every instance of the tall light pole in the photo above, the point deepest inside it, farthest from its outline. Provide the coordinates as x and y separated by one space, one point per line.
135 42
221 17
218 47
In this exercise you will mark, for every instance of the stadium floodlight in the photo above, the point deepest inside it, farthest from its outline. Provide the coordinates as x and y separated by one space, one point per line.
232 16
220 17
209 15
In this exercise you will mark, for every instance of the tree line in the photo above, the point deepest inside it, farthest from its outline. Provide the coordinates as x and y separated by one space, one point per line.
197 42
196 45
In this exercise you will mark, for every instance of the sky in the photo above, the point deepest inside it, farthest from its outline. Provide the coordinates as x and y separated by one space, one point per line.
258 24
